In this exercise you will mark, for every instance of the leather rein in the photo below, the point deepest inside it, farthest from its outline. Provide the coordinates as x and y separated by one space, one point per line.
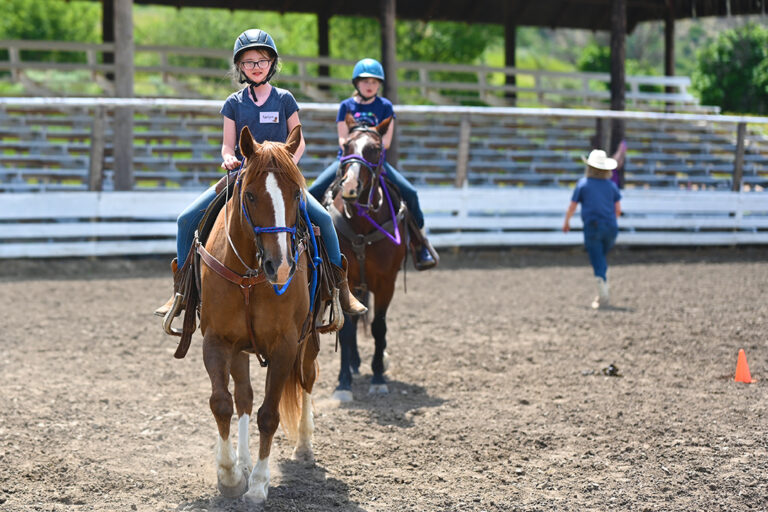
253 277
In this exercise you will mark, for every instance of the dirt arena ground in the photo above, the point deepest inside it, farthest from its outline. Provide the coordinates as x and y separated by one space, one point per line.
499 400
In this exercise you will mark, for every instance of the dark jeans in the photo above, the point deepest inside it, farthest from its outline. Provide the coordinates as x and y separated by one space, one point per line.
599 238
408 191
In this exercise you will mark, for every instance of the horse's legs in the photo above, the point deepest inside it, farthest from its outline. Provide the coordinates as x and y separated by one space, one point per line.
379 332
354 355
354 352
281 362
303 449
217 355
347 339
240 372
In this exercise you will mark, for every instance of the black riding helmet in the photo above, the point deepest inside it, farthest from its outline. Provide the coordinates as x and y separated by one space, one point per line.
255 39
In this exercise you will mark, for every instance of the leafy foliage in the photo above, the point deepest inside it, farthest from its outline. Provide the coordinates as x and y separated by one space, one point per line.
733 71
51 20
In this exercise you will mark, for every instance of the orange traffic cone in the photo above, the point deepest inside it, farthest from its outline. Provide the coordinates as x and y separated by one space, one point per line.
742 369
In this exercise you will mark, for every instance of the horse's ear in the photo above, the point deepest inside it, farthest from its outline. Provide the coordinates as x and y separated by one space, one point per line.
294 140
384 126
248 145
350 120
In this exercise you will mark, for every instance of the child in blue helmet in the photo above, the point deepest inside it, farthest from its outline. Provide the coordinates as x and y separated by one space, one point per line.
270 113
368 108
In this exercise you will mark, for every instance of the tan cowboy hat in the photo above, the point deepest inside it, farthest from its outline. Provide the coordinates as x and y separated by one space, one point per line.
599 160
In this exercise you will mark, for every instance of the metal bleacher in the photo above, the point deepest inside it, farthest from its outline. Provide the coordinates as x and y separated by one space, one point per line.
48 149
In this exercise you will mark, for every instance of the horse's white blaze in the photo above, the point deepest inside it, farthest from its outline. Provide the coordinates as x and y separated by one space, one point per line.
352 175
278 205
349 185
259 481
243 453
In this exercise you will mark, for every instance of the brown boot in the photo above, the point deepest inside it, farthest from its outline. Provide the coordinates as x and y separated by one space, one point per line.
348 301
165 308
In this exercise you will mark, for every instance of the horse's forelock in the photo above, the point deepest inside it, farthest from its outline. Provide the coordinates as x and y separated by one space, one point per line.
356 139
273 157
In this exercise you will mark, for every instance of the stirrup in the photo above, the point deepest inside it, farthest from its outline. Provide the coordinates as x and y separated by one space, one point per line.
178 303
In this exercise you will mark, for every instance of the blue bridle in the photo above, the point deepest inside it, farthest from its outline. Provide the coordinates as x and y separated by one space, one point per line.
257 230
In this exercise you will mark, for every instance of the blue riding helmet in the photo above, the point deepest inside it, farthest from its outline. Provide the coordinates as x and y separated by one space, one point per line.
368 68
255 39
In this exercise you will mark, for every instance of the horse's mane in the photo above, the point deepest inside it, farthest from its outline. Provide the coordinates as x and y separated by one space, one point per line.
272 156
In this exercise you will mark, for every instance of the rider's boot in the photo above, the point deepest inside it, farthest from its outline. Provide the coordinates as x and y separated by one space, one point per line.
348 301
163 310
425 256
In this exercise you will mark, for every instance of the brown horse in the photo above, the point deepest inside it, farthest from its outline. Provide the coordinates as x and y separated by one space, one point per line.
369 218
254 241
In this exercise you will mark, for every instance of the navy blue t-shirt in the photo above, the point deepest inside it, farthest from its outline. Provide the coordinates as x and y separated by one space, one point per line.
369 114
598 198
266 122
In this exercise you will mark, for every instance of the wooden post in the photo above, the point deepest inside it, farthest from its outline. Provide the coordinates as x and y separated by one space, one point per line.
669 48
323 46
96 164
738 161
389 61
108 33
602 134
510 46
618 80
122 128
462 156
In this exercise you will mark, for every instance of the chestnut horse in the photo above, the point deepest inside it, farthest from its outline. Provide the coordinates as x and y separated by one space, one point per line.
255 299
369 218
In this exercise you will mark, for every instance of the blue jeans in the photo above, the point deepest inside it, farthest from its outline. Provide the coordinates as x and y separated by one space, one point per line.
192 215
599 238
408 191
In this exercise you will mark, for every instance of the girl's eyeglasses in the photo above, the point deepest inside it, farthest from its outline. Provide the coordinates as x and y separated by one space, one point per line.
252 64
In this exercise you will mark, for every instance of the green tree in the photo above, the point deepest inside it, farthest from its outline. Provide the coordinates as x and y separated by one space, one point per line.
51 20
732 71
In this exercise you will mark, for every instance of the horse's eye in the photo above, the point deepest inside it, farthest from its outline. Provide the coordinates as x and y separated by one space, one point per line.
298 195
250 197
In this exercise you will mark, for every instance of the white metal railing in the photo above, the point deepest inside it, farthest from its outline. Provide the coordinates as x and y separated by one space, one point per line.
487 84
127 223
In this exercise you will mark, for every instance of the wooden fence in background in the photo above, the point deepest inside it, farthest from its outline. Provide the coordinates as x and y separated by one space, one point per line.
160 71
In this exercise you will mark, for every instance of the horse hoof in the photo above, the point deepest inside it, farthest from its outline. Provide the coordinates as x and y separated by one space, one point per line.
303 454
378 389
236 490
342 395
355 370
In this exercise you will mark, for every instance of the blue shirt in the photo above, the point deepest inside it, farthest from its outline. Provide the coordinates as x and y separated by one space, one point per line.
598 198
370 114
266 122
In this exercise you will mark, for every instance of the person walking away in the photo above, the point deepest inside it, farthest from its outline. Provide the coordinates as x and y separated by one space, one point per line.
600 207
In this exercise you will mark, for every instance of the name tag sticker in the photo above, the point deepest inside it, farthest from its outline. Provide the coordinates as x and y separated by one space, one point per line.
269 117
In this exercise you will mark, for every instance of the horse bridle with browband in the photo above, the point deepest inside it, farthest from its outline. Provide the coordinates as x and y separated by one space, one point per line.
258 230
373 168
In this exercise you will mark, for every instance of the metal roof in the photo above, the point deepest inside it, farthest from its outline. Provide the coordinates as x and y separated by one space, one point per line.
583 14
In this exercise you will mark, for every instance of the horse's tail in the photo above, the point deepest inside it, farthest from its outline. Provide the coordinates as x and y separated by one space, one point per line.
290 401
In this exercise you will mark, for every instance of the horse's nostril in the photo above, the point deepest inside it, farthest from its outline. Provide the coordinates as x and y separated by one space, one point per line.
269 268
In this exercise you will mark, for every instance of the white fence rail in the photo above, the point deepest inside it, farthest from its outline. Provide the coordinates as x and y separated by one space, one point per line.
77 224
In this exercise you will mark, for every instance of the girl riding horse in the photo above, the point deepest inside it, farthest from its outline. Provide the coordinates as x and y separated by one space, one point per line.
270 114
369 109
